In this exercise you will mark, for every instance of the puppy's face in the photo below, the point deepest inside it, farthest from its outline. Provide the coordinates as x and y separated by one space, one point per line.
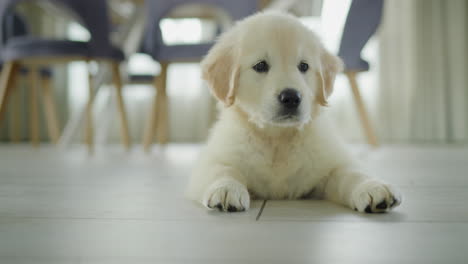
273 68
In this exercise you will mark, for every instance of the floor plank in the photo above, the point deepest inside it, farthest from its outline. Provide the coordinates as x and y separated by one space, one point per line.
419 205
129 241
121 186
420 166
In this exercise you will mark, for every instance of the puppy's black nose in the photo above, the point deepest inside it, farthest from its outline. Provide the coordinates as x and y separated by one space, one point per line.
289 98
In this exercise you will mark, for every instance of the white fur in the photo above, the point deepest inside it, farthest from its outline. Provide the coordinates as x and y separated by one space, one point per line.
252 154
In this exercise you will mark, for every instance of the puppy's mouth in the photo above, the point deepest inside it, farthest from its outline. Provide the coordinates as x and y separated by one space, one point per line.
287 119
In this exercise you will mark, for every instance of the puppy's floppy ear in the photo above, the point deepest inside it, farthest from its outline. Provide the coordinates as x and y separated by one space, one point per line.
220 68
329 66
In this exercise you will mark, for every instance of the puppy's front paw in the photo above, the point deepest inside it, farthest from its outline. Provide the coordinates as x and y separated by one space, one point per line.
375 197
227 195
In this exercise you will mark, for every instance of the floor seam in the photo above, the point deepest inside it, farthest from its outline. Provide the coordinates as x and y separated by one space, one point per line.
261 210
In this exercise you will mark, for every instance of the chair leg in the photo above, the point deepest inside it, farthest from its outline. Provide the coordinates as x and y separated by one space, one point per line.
89 129
50 110
162 119
33 106
366 124
121 106
6 84
14 112
150 126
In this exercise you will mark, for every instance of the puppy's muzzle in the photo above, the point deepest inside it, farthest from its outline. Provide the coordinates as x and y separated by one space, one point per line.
290 100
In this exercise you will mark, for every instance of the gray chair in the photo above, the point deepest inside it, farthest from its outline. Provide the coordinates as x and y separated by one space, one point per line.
35 52
154 46
363 18
14 26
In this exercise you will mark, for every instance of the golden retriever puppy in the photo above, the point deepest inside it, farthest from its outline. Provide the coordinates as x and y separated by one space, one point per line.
273 76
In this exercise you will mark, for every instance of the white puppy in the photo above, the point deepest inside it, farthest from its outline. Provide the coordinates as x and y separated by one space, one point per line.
273 76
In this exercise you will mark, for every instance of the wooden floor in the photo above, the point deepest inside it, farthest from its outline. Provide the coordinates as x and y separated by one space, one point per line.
68 207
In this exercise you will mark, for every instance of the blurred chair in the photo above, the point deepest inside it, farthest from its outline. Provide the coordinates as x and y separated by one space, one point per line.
165 54
361 23
14 26
35 52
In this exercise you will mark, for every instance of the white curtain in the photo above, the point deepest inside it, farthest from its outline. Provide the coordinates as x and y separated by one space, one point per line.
423 95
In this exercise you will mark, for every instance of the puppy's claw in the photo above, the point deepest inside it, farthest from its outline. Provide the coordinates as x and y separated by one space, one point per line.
368 209
382 205
232 209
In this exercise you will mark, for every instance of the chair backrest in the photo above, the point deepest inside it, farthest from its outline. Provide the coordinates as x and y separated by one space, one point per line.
92 14
361 23
158 9
13 26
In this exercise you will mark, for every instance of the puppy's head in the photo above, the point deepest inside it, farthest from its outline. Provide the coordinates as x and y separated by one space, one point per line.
273 68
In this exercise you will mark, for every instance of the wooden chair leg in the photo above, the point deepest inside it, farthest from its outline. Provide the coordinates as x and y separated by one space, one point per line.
366 124
150 126
89 129
163 118
153 126
33 106
121 106
50 110
14 112
6 84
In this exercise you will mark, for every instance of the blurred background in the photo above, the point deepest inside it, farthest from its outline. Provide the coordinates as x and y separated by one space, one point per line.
414 90
82 81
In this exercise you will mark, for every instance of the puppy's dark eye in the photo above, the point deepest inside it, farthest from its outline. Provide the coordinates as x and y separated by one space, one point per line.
261 67
303 67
